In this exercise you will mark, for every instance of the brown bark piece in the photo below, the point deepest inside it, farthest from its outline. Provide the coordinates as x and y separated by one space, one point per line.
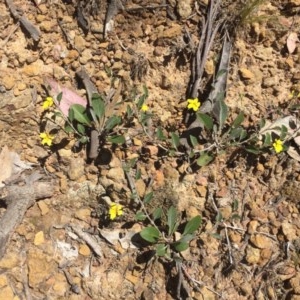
18 199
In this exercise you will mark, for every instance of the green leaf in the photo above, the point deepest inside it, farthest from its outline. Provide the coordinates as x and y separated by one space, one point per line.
140 216
129 111
146 92
71 115
157 213
243 134
84 140
175 140
206 120
191 154
148 198
223 112
252 149
186 238
235 205
160 135
262 123
180 246
138 174
238 120
150 234
80 114
192 225
161 249
267 140
98 106
216 236
68 129
204 160
81 128
219 217
172 220
116 139
235 133
59 97
112 122
235 217
283 132
194 141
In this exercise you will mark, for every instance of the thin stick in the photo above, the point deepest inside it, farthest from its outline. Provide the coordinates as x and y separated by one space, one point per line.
29 27
87 238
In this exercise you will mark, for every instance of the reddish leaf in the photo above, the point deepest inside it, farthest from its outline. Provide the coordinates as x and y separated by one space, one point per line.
68 96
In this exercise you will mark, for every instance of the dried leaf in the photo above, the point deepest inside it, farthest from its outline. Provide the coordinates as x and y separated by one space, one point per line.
290 122
293 153
291 42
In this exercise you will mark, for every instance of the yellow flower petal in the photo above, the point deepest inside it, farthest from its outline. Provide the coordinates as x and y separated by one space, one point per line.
46 138
278 146
193 104
115 210
144 107
48 103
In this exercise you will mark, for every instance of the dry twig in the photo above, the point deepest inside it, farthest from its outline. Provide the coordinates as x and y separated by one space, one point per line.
29 27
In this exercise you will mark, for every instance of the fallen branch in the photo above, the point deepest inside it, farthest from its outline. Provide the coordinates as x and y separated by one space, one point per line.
18 199
30 28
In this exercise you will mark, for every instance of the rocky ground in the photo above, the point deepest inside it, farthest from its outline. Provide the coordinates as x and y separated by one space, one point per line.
66 247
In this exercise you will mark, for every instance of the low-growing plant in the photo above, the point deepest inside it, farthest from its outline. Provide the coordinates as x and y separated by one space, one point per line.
163 233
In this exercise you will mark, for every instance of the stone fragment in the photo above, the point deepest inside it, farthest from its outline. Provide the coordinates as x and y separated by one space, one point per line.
76 168
261 241
9 261
210 67
140 187
43 207
39 238
7 293
86 56
184 8
83 214
116 174
294 282
270 81
34 69
3 281
79 42
40 267
252 255
226 212
202 190
289 231
60 286
172 31
252 226
84 250
8 82
137 142
246 74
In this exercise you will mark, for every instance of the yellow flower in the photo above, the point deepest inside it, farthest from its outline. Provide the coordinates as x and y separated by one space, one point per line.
294 94
48 103
193 104
115 210
46 138
278 146
144 107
